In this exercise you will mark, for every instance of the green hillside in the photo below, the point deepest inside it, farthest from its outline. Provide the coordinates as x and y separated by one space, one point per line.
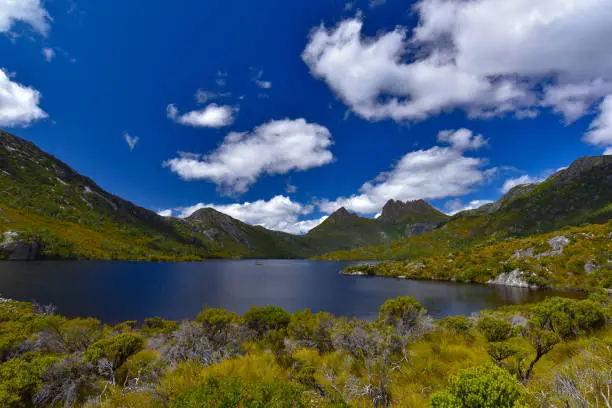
574 257
49 211
580 194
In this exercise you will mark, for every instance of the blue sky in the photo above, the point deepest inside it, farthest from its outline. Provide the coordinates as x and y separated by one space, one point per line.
279 112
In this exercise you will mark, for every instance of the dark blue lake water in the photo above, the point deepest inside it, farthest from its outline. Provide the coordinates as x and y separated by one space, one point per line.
118 291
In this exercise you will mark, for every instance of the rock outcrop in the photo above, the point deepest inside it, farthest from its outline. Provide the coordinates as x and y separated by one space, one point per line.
17 248
557 244
419 228
515 278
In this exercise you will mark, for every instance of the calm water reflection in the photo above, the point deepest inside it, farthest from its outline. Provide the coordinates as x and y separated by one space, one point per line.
117 291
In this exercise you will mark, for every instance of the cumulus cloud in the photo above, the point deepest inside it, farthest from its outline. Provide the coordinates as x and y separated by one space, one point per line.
517 181
30 12
276 147
279 213
434 173
213 116
600 131
165 213
487 57
48 53
18 103
456 206
132 141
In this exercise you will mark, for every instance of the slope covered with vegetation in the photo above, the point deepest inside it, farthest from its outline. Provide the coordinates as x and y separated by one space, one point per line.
575 257
47 205
69 216
580 194
555 353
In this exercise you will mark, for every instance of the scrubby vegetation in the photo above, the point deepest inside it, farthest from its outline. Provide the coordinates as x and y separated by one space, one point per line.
552 354
576 257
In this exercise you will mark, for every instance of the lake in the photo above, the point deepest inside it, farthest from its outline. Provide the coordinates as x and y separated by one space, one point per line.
118 291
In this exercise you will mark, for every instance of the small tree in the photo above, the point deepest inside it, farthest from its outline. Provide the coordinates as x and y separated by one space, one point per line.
543 341
500 350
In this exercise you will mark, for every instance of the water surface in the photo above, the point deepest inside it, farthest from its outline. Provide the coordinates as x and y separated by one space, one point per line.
118 291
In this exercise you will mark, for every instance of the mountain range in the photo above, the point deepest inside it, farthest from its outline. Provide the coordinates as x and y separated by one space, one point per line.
49 211
580 194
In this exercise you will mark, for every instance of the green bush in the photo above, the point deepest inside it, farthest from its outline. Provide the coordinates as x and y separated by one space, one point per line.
263 319
495 329
115 349
216 320
236 392
457 324
155 325
312 327
569 318
404 310
20 379
77 334
481 387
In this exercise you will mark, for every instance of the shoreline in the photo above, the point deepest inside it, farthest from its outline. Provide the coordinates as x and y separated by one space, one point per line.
453 280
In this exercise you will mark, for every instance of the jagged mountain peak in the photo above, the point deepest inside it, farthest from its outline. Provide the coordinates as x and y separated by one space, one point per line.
417 211
342 214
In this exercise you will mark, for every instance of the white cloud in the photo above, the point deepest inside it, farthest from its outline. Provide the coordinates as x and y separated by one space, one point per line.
256 76
302 227
517 181
600 131
485 56
202 96
213 115
264 84
49 54
608 152
462 139
434 173
276 147
574 100
132 141
290 188
456 206
165 213
30 12
18 103
279 213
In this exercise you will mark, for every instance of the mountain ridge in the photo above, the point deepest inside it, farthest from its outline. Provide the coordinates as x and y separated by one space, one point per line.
46 203
67 215
581 193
